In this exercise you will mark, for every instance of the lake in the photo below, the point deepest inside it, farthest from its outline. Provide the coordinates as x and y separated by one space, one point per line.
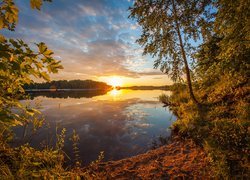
122 123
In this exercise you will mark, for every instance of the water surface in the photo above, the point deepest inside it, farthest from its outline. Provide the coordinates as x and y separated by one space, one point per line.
122 123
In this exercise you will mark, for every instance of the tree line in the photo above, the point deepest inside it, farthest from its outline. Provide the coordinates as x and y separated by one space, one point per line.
71 84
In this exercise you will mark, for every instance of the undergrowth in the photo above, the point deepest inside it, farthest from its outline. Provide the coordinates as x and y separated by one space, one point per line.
220 125
26 162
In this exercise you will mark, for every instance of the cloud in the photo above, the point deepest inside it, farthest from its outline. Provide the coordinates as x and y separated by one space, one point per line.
91 38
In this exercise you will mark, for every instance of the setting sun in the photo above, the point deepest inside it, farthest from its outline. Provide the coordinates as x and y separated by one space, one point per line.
115 81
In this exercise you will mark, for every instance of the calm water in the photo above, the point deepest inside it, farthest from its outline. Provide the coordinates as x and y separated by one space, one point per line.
121 123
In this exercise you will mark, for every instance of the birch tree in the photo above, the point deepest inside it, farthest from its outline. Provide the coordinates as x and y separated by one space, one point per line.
169 30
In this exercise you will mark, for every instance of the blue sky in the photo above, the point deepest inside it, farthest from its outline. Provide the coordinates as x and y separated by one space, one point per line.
94 39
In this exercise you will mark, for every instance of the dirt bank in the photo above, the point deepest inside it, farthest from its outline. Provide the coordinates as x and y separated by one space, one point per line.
179 159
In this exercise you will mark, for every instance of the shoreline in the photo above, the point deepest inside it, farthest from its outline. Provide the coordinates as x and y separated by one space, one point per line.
62 90
178 159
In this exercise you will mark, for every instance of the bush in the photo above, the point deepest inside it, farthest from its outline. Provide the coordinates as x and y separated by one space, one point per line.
221 128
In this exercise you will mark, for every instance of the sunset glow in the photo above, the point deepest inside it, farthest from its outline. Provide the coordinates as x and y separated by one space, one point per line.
102 47
115 81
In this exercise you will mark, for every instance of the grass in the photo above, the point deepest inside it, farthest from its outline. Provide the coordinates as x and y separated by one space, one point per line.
25 162
220 125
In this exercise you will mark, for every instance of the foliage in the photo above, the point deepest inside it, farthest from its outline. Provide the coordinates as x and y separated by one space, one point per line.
9 13
221 124
25 162
169 30
75 139
37 4
224 137
232 23
19 64
160 34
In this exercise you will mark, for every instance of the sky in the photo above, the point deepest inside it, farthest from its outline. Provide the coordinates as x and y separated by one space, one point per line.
94 39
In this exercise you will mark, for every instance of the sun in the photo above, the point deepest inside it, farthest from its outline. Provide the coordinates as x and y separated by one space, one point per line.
115 81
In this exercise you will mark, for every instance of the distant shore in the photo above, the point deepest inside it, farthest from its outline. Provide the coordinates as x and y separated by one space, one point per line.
147 87
99 89
54 90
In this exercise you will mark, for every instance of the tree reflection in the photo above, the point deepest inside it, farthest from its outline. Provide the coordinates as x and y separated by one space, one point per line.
67 94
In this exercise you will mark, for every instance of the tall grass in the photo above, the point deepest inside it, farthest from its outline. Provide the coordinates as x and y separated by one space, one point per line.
26 162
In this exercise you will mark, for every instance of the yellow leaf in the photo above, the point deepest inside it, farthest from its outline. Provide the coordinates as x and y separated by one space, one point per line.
36 4
2 38
1 23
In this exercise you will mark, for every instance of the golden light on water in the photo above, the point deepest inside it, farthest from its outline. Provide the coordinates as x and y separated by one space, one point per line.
115 92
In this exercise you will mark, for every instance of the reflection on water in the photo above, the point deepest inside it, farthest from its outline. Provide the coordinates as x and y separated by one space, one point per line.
121 123
67 94
115 92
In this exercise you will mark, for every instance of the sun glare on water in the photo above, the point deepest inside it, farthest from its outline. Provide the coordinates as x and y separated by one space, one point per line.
115 93
115 81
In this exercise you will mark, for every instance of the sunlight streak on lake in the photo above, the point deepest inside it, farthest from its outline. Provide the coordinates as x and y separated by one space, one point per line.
115 93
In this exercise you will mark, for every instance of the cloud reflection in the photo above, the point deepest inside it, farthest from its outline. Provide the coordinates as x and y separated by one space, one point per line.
121 127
